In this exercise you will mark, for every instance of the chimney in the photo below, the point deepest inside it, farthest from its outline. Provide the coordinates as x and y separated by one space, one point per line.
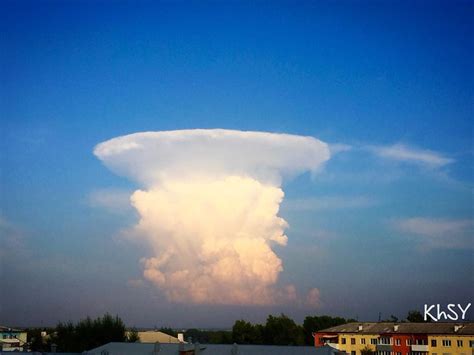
360 327
457 327
235 349
395 328
181 337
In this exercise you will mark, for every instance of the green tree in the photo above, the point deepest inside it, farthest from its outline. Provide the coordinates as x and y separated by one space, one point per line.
392 319
366 351
415 316
88 334
36 342
220 337
282 330
132 336
197 335
245 333
317 323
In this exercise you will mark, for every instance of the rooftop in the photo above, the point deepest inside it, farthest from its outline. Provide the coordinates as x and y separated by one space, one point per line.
210 349
9 329
403 328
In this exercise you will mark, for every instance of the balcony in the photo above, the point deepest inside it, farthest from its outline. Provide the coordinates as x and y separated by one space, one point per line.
384 347
419 348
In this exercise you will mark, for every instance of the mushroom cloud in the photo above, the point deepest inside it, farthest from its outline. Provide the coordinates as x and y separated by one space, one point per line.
208 209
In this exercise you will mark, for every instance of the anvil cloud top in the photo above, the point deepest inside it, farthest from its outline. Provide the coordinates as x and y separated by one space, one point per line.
149 157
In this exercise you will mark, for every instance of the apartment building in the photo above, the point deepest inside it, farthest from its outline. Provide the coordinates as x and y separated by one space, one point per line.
12 339
399 338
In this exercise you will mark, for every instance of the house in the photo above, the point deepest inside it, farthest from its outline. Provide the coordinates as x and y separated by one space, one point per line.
12 339
387 338
153 336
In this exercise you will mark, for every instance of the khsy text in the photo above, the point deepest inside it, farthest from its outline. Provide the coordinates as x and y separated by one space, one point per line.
451 313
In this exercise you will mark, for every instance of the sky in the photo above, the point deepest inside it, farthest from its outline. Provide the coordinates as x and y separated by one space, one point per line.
382 224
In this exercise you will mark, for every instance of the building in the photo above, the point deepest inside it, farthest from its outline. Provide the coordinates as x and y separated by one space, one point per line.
116 348
12 339
400 338
153 336
207 349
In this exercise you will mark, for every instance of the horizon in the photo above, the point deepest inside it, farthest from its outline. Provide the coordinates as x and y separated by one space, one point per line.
229 329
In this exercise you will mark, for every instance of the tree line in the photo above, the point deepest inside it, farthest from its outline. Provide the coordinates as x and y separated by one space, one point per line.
277 330
84 335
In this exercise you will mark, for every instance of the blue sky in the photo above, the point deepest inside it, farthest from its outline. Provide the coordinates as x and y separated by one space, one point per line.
389 83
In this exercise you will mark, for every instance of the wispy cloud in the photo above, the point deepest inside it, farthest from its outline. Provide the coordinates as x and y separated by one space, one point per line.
336 148
329 203
439 233
407 154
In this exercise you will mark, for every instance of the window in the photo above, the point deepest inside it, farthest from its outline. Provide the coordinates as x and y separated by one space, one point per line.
459 343
343 340
353 353
398 353
446 342
353 341
373 341
433 343
471 343
397 342
385 341
408 342
362 341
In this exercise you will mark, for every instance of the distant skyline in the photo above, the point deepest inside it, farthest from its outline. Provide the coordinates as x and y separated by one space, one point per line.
385 224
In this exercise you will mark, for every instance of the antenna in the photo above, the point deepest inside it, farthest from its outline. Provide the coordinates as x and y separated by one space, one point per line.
380 316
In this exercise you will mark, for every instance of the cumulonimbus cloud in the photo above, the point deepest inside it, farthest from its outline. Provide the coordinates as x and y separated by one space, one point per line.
209 207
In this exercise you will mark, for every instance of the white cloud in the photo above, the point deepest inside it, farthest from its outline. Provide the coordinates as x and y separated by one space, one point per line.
209 209
153 157
403 153
439 233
